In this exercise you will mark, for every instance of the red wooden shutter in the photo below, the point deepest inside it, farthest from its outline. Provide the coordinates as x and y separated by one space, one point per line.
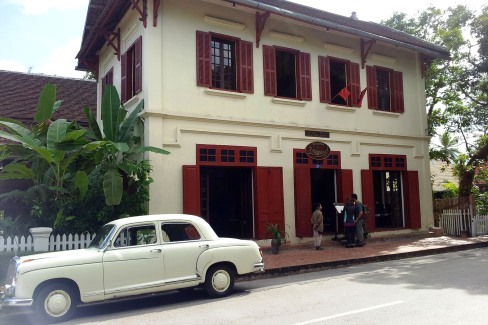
412 200
371 84
354 80
204 67
138 66
324 79
191 190
123 78
246 67
398 105
344 184
303 203
269 65
305 76
368 196
269 199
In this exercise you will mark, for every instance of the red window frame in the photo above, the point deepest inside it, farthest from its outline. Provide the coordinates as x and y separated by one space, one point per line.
131 71
219 155
301 160
387 162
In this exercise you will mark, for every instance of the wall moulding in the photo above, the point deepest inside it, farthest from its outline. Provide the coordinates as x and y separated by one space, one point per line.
224 23
338 48
288 37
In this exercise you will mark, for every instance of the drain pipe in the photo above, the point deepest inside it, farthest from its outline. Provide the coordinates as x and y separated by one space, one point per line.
327 24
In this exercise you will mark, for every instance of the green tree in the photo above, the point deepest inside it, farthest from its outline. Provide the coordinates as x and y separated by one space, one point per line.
457 89
57 172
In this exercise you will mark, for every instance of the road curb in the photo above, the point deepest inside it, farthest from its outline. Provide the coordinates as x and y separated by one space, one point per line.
314 267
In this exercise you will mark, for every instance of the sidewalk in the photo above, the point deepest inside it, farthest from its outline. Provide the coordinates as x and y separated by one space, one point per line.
304 258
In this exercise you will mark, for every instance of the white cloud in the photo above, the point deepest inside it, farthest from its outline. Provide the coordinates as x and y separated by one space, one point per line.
39 7
12 65
61 61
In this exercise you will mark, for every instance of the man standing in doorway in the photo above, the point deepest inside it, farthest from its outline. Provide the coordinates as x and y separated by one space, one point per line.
318 225
359 221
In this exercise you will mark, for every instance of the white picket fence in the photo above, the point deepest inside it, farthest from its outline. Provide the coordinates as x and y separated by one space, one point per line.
456 221
56 243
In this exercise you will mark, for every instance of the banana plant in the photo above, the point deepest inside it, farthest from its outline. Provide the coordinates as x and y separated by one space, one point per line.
118 142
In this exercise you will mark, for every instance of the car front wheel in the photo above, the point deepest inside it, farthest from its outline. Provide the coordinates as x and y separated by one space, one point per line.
219 281
56 302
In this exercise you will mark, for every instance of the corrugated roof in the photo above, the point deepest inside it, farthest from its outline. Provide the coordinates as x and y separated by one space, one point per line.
442 173
19 94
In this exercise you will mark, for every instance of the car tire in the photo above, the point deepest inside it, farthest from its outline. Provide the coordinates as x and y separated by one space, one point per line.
56 302
219 281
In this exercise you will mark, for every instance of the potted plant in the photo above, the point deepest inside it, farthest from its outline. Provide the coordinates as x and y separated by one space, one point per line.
276 234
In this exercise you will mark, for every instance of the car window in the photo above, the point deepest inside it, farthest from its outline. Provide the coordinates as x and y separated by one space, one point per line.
180 231
136 236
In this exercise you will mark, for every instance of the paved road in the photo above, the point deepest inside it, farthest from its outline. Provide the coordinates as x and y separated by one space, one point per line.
447 288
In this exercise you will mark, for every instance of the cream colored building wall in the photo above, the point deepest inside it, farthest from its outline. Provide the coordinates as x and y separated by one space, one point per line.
179 115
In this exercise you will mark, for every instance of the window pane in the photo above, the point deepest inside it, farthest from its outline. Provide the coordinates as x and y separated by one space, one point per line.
383 87
286 82
338 80
223 64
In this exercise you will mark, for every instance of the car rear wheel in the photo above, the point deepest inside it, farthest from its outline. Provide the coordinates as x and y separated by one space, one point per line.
56 302
219 281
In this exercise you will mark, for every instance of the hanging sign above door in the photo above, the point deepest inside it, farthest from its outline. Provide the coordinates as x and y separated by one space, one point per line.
317 150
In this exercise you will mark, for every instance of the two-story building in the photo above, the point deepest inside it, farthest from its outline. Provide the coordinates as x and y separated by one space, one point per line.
261 105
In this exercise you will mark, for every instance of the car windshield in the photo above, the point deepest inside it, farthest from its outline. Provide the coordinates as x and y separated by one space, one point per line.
102 237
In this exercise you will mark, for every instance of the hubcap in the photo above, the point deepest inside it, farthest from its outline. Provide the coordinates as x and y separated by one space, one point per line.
221 281
57 303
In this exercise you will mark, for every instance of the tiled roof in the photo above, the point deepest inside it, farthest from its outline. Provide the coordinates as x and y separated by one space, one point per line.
103 15
19 94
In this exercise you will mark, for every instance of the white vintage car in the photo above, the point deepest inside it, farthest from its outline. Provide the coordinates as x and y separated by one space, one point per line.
130 256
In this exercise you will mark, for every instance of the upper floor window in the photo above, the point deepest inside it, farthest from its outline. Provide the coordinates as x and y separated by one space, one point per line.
385 89
131 78
336 75
286 73
224 62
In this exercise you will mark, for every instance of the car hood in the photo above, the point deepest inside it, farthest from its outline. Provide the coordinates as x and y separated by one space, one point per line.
60 258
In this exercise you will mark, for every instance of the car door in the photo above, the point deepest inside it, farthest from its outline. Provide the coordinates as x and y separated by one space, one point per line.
182 247
134 262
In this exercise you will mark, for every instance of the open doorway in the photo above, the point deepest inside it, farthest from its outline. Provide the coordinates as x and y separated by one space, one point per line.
226 200
323 191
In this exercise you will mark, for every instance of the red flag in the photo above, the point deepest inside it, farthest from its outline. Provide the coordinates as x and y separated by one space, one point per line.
344 93
360 101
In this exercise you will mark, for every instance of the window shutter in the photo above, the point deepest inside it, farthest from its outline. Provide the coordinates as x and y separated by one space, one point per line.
398 104
324 79
305 76
412 200
204 67
269 199
368 196
269 64
303 203
246 67
191 190
123 78
371 85
344 184
354 80
138 66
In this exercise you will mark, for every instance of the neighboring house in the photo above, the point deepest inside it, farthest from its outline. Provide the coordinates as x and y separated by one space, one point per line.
237 90
19 95
442 174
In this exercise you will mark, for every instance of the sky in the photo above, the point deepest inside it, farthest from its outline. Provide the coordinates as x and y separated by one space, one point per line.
44 36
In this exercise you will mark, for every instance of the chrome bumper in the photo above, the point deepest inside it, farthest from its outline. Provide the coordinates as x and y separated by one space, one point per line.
14 302
259 267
